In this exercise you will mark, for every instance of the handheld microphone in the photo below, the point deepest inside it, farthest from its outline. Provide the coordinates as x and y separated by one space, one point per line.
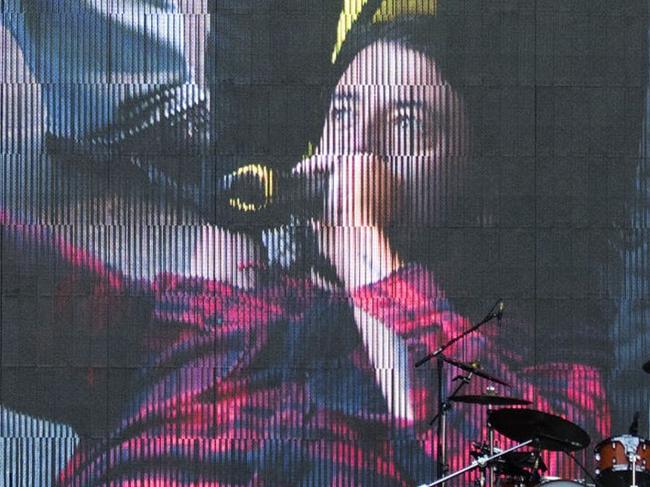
256 193
253 193
255 187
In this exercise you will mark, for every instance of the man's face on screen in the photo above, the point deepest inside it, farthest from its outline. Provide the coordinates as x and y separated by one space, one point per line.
393 104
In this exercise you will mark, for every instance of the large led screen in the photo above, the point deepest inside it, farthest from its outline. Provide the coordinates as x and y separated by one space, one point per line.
231 228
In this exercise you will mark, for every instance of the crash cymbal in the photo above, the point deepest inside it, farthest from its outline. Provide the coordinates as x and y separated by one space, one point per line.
491 399
473 368
550 432
646 367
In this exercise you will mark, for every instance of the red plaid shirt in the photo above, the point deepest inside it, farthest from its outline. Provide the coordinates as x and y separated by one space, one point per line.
215 401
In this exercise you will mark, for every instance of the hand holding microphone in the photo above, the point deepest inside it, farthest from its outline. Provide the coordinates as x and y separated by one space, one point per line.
359 202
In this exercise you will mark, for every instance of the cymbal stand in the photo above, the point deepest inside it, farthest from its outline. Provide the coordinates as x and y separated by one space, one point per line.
490 390
633 457
490 469
480 462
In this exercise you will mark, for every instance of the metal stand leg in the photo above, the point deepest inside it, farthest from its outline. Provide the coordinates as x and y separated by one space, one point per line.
490 470
442 424
444 405
633 458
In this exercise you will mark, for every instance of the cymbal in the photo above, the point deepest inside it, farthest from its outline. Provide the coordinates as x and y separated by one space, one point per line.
473 368
489 399
646 367
550 432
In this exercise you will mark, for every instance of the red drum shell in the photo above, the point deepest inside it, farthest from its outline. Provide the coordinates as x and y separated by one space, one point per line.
613 467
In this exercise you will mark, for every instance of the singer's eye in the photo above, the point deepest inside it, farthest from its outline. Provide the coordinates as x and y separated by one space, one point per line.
409 120
343 114
409 127
344 109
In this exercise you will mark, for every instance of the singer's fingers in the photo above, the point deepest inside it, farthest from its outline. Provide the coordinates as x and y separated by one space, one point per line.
362 188
362 191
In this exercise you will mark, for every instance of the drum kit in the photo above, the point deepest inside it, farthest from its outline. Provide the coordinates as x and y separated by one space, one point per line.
621 461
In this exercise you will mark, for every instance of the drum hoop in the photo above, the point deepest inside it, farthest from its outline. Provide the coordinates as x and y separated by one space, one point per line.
622 467
554 480
629 442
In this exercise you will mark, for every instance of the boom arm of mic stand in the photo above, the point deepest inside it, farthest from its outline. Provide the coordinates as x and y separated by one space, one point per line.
424 360
478 463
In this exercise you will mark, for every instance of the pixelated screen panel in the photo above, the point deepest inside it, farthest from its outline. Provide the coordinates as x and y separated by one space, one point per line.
231 229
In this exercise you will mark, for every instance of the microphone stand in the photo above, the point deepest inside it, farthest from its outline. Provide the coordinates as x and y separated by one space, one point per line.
490 316
443 403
